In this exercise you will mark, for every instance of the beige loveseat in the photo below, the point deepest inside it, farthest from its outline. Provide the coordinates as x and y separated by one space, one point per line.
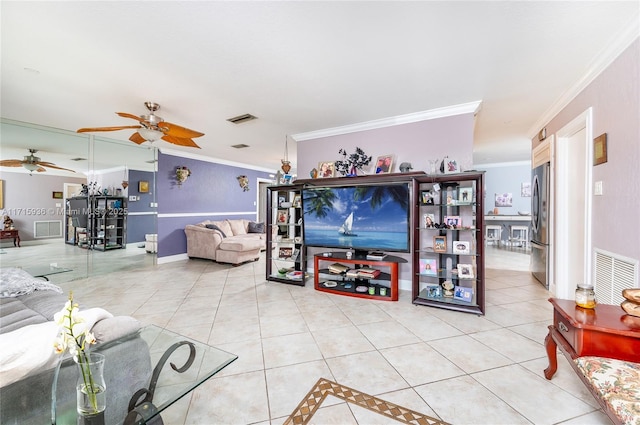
226 241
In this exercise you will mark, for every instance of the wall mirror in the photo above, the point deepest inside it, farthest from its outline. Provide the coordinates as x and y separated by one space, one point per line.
32 199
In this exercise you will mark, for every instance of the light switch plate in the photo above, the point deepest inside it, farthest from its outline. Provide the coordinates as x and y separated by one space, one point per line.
132 198
597 190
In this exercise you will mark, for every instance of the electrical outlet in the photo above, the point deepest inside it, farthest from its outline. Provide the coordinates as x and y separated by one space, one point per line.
597 190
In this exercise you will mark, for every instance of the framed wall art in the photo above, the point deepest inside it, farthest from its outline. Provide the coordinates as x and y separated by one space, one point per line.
143 186
600 149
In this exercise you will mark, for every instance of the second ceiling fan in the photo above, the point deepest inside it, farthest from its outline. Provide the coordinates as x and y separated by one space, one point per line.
151 128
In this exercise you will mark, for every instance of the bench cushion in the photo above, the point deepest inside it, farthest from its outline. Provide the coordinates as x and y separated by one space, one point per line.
617 382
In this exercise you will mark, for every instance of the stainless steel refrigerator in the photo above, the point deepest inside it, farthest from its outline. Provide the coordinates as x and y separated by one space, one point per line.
540 192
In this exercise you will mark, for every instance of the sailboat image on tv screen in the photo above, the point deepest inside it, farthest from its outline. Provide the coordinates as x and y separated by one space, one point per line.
345 229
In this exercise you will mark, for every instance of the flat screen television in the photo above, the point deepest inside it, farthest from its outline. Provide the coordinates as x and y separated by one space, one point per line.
363 217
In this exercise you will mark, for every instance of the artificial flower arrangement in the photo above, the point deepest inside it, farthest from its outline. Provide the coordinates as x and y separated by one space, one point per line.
350 164
76 337
182 173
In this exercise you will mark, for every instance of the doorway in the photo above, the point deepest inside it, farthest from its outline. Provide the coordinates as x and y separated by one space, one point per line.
572 262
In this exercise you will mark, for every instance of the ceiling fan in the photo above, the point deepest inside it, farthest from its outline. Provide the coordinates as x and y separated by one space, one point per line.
31 163
152 127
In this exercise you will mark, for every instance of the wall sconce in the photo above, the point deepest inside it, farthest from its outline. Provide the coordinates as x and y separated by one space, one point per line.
182 174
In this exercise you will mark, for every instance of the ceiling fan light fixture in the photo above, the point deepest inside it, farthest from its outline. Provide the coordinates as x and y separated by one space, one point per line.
150 134
30 167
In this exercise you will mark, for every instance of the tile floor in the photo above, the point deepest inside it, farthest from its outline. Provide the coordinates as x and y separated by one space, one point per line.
462 368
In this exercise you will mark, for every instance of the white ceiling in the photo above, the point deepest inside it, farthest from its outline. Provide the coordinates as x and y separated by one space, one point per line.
302 66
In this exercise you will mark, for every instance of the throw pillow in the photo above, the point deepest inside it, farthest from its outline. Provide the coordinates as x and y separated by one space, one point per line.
214 227
255 227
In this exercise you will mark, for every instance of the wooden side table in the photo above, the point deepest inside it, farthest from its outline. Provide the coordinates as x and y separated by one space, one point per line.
11 234
606 331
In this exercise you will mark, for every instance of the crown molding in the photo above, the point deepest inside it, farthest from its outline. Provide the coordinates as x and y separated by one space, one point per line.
464 108
626 36
199 157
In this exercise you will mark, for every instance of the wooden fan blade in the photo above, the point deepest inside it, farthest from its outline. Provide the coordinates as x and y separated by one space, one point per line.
50 165
181 141
11 163
178 131
91 129
137 138
127 115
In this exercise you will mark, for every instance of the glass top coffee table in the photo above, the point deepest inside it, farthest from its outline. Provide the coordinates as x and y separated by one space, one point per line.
180 365
44 271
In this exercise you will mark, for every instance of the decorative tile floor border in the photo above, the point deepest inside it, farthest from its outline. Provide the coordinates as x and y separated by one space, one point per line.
314 398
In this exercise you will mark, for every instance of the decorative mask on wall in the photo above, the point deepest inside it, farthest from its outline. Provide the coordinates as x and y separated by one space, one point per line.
244 183
182 174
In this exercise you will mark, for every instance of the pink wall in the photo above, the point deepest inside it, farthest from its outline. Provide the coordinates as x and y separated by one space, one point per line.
615 98
416 143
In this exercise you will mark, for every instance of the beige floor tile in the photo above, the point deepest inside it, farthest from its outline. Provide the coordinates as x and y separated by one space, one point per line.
284 324
469 354
510 344
387 334
368 372
420 364
334 342
290 349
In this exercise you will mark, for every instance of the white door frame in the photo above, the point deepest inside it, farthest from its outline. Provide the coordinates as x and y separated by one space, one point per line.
565 284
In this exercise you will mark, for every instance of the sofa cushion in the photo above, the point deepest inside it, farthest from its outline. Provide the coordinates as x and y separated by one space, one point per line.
215 227
240 244
255 227
238 227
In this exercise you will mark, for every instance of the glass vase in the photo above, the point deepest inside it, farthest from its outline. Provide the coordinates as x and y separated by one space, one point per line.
91 389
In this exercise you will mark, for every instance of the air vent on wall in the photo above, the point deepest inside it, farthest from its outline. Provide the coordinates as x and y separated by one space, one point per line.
612 274
242 118
240 146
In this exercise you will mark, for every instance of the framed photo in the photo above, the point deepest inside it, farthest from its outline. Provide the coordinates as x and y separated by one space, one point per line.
465 271
453 221
384 164
461 247
326 169
57 195
283 217
463 293
429 266
143 186
285 252
433 290
600 149
465 195
427 197
525 190
451 166
428 220
440 243
504 199
296 201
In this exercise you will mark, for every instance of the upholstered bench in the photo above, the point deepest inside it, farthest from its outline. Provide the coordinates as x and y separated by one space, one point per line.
615 384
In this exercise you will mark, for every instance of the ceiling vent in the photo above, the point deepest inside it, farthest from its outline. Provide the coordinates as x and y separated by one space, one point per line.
240 146
242 118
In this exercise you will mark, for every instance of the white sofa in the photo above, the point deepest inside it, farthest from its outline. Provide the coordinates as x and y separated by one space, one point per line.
232 241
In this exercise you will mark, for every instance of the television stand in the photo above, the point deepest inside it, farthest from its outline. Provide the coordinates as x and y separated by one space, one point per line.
354 282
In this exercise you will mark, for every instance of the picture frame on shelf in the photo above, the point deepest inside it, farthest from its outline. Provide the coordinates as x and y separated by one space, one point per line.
285 252
296 201
434 290
429 266
384 164
451 166
462 293
465 271
440 244
452 221
326 169
465 195
283 217
427 197
428 220
461 247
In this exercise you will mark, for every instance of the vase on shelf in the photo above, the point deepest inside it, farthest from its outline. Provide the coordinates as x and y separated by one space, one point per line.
91 389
